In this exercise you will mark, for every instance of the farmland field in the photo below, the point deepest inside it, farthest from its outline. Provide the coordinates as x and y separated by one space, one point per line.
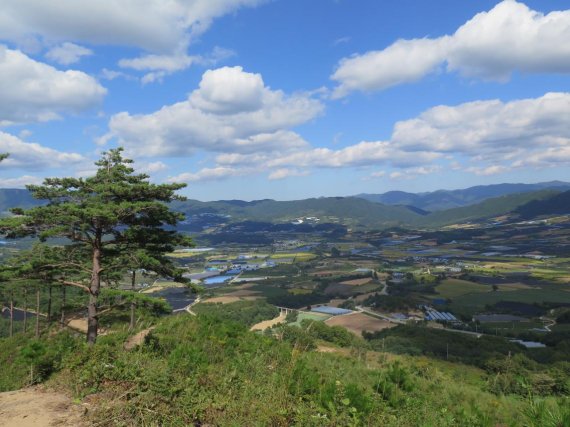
295 256
453 288
478 301
357 282
359 322
310 316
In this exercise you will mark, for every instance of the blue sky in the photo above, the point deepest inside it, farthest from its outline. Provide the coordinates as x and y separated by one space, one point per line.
288 99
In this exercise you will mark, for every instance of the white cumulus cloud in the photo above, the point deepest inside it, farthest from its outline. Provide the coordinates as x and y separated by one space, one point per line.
20 182
67 53
210 174
33 156
487 129
152 25
286 173
481 137
491 45
32 91
162 29
231 111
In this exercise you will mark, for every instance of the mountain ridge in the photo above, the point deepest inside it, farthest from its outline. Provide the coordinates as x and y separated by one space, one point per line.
440 200
349 211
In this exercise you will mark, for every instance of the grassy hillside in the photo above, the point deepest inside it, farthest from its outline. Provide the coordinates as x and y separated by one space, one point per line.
208 371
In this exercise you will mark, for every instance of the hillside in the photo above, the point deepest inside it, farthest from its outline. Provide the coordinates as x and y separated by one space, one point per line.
558 204
447 199
350 211
489 208
347 210
359 212
207 370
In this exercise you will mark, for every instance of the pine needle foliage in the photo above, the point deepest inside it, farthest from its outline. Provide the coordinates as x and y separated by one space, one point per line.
106 216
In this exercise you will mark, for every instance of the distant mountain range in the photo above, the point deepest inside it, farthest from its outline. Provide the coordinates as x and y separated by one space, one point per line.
447 199
353 211
13 198
359 212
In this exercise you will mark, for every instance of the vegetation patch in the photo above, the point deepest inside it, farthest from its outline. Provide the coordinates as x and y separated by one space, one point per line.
452 288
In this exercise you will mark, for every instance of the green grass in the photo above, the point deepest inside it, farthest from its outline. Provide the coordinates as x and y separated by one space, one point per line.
453 288
303 315
205 370
512 326
478 301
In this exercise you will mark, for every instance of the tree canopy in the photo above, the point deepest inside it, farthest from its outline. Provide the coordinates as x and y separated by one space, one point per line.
113 220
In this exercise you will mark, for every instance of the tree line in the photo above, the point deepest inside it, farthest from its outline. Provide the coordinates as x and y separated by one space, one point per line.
113 223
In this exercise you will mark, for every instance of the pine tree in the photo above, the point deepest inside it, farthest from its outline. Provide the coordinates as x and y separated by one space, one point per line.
115 210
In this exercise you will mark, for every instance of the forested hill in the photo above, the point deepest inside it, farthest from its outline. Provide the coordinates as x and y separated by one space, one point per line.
345 210
446 199
359 212
350 211
490 208
555 205
12 197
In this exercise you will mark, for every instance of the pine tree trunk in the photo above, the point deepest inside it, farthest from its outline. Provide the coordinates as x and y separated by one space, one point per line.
25 309
49 304
11 315
37 312
133 304
62 317
94 288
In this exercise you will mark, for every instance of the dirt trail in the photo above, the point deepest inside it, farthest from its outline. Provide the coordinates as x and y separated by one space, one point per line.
261 326
36 407
137 339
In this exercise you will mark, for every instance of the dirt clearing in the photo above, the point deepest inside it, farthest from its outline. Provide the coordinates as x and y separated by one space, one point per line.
266 324
36 407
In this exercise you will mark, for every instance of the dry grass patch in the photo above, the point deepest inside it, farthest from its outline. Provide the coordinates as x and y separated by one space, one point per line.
266 324
514 286
357 282
228 299
243 293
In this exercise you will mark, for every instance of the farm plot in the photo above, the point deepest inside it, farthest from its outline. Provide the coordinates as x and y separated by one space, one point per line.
359 322
228 299
453 288
310 316
357 282
474 302
339 289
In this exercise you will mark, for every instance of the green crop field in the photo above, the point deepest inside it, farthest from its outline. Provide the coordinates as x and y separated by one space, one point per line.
453 288
310 316
478 301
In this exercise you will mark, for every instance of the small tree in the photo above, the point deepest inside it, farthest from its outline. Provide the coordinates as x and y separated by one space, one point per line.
100 215
35 269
